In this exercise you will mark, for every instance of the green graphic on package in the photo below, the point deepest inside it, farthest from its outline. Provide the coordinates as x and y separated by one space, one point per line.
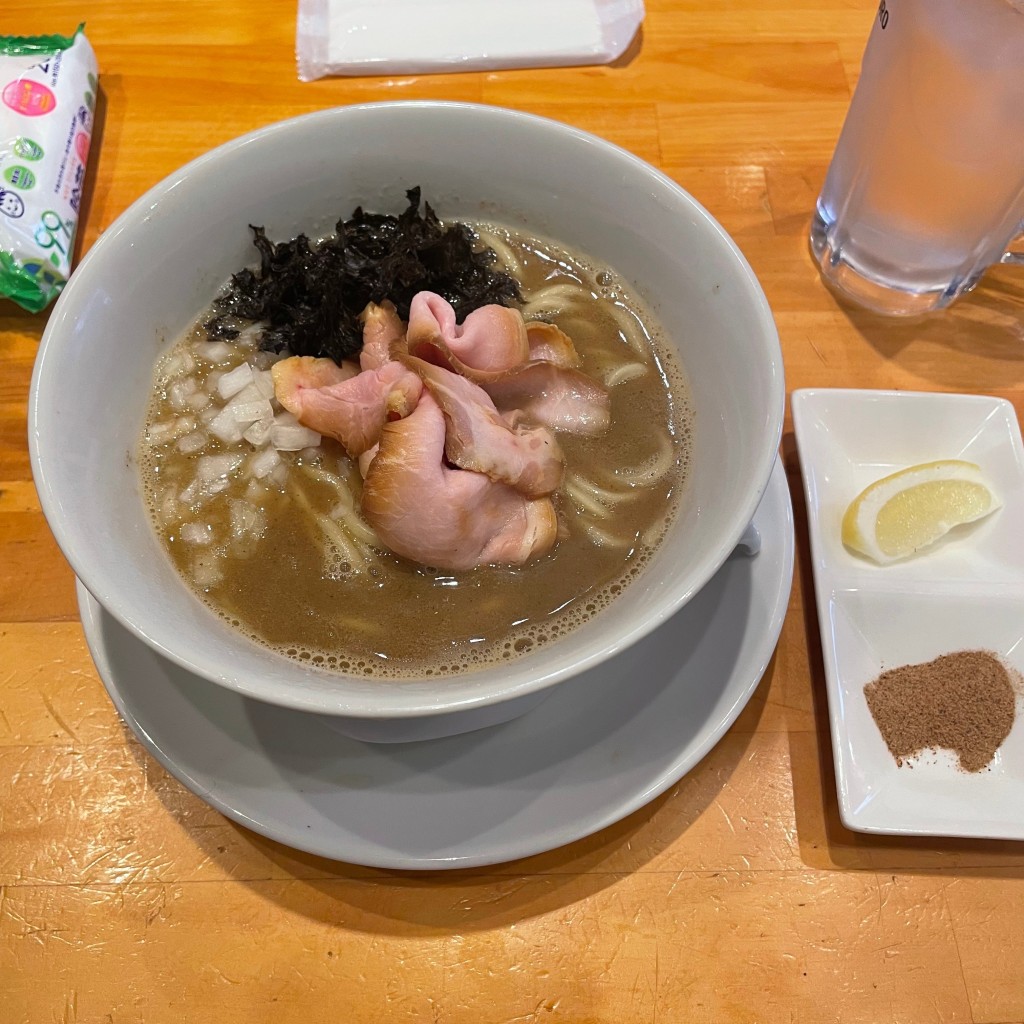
27 149
19 177
47 94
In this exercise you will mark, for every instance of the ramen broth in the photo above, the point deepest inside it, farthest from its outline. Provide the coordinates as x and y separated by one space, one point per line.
254 549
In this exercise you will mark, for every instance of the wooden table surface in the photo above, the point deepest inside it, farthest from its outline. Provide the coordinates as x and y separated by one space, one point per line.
736 897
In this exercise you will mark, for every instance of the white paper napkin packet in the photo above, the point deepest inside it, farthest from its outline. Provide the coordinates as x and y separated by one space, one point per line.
382 37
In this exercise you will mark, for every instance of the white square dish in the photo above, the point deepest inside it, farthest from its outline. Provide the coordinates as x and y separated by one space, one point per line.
966 594
848 439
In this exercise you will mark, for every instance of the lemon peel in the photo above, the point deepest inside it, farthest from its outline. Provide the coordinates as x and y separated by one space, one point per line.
908 511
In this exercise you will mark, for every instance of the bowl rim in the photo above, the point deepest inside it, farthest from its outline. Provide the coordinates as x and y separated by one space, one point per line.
402 702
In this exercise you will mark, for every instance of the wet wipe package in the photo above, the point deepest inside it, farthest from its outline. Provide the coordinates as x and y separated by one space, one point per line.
398 37
47 97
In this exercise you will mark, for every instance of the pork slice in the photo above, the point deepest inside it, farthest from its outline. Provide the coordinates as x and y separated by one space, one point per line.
550 343
448 518
299 373
492 339
352 410
523 455
559 397
382 330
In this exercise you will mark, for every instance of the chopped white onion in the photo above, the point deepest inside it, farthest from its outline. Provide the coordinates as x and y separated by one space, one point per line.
214 351
226 427
206 571
279 476
264 380
255 492
250 393
168 507
258 434
250 335
292 439
246 519
288 435
160 433
198 401
170 430
311 454
194 442
216 467
196 533
263 463
179 392
249 412
190 494
234 381
265 360
172 365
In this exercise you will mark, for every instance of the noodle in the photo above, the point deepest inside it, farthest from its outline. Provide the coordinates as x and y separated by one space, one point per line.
605 494
602 538
345 510
554 297
332 531
581 498
502 250
646 475
624 373
576 300
355 525
346 547
366 627
631 326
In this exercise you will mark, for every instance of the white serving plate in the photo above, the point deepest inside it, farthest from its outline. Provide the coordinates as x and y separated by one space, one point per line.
600 747
967 593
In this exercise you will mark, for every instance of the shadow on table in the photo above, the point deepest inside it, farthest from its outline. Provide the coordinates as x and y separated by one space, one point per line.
446 902
438 902
14 321
441 902
987 323
824 841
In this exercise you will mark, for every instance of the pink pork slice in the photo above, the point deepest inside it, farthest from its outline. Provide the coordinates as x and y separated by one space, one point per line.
551 344
382 330
448 518
558 397
492 339
351 410
527 457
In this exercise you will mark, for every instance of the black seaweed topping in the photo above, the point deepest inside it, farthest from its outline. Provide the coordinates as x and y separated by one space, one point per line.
310 296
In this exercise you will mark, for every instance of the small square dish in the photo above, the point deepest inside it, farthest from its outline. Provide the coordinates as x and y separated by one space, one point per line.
848 439
965 594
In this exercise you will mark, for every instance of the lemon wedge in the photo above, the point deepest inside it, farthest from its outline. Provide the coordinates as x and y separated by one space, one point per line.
905 512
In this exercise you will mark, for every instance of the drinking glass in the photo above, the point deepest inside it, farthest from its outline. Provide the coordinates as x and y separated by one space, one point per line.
926 186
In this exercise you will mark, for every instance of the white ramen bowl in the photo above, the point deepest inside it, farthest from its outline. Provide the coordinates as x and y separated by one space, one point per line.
161 263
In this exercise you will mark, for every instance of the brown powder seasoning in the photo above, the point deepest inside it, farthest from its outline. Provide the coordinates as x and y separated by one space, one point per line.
963 702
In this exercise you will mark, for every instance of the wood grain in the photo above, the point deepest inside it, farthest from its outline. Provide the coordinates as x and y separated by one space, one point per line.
736 897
